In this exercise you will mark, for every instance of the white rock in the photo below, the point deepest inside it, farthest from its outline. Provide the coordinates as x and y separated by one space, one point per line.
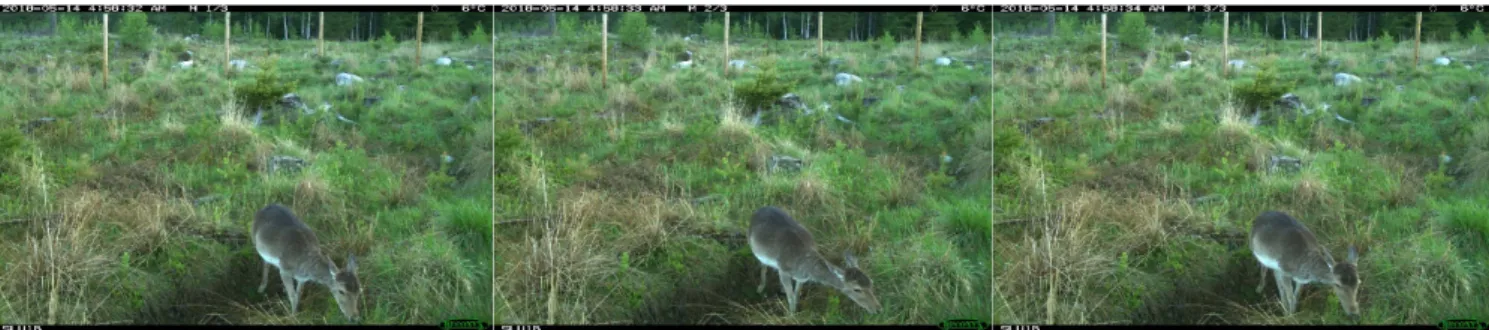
1237 64
845 79
443 61
238 64
185 64
1442 61
943 61
738 64
683 65
1344 79
344 79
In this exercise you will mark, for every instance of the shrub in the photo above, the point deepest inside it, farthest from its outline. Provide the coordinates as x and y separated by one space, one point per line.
266 89
978 35
479 36
634 32
1066 26
713 30
764 89
1212 30
1134 31
1262 91
886 42
387 42
568 26
135 31
214 31
1476 37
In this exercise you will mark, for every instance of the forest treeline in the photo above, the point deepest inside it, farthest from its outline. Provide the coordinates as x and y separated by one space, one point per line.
1352 26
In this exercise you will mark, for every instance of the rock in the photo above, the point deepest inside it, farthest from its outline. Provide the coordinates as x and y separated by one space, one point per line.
1442 61
185 64
1291 101
1237 64
683 65
834 63
1344 79
238 64
791 101
344 120
943 61
738 64
470 67
685 56
285 164
1036 123
1285 163
1033 70
870 101
336 64
402 88
844 79
1334 63
474 99
535 70
370 101
346 79
529 126
1368 101
779 163
37 70
900 88
844 120
1400 88
443 61
185 56
32 125
291 101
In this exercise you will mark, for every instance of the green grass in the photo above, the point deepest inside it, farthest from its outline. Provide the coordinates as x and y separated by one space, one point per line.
1132 203
149 186
631 203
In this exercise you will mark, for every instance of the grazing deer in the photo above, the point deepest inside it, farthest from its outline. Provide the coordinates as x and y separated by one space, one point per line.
781 243
284 242
1283 245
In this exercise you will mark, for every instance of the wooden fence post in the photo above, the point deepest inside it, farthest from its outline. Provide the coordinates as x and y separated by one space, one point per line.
105 52
1417 53
919 19
726 43
227 43
605 50
419 42
1320 33
1103 51
820 51
322 34
1225 45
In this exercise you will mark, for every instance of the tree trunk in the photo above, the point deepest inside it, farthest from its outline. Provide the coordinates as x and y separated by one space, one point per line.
1284 26
286 19
54 23
1049 23
552 24
784 36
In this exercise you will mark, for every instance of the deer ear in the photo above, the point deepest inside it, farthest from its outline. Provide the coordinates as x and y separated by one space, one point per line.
1353 256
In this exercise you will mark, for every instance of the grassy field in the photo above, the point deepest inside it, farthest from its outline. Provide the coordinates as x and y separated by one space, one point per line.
132 203
628 203
1132 203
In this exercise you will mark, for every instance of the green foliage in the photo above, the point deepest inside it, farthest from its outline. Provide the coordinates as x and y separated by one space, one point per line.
387 42
455 36
1212 30
713 30
266 90
634 32
1386 41
978 35
69 26
764 89
11 142
479 36
886 42
1133 31
214 31
568 26
135 31
1476 37
1265 89
1066 26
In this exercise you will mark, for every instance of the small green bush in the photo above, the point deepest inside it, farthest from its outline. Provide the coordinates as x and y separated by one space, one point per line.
886 42
1265 89
479 36
764 89
1134 32
266 89
1476 37
135 31
634 32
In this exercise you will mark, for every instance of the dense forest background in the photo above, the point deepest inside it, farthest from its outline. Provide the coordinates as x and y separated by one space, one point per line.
1352 26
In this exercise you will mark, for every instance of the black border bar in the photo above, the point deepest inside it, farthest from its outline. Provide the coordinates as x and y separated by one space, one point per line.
718 8
1212 8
